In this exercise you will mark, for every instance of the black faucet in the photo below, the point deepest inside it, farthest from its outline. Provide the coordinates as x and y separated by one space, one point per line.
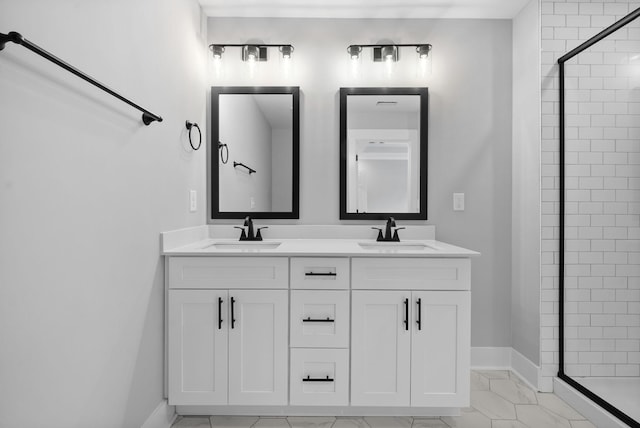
388 236
248 234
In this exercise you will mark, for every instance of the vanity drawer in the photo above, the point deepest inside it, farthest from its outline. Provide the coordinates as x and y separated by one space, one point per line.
319 319
320 273
228 272
319 377
411 274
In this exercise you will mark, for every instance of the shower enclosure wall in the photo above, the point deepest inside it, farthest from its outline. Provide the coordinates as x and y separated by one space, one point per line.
600 219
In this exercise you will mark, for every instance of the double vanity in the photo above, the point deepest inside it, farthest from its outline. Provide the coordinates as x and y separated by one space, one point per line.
321 320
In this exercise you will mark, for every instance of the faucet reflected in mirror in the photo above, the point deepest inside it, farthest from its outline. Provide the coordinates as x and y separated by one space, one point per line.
248 233
388 235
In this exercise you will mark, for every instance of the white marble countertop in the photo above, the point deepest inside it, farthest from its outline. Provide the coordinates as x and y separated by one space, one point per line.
199 242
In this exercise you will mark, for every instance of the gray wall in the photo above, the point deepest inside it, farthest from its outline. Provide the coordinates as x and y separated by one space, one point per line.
85 190
525 297
469 136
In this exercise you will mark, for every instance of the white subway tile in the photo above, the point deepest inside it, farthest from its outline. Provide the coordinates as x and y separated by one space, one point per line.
627 345
615 282
628 295
590 232
602 369
615 158
628 370
616 8
600 120
590 357
605 95
603 245
591 9
616 183
628 245
603 295
627 220
628 270
603 145
602 170
616 208
617 357
592 83
602 21
603 195
591 182
627 320
615 108
630 146
603 270
565 33
607 320
617 258
615 307
603 70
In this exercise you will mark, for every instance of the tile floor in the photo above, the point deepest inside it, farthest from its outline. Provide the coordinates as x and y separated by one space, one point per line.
499 399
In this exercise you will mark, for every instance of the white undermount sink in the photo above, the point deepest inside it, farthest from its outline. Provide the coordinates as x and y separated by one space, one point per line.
394 246
245 245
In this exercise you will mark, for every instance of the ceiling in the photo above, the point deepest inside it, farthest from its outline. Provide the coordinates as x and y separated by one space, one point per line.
397 9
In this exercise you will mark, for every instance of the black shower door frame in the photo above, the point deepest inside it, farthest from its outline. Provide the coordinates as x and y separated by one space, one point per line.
561 374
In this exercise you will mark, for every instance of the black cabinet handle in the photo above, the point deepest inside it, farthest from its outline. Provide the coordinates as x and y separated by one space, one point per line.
419 320
320 274
317 379
406 314
233 319
309 319
219 313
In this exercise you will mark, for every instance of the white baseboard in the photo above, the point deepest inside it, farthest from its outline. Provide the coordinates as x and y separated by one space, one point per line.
162 417
507 358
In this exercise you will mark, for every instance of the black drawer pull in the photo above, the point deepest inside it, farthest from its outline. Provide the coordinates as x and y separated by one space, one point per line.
309 319
317 379
320 274
219 313
419 320
233 317
406 314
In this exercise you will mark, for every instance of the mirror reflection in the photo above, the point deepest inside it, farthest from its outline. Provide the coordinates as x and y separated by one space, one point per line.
384 152
257 138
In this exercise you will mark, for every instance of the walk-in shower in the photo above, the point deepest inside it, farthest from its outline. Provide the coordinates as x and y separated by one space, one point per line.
599 262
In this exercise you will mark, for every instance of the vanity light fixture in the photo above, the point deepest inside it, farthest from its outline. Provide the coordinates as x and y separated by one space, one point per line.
388 52
251 52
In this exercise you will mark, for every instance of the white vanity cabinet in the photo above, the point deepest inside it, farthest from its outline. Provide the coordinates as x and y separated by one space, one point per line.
410 332
228 346
356 335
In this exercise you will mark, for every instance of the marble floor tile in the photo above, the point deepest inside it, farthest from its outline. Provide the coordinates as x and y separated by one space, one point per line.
311 421
513 392
479 382
268 422
492 405
556 405
388 422
428 423
233 421
582 424
192 422
350 423
496 423
536 416
468 419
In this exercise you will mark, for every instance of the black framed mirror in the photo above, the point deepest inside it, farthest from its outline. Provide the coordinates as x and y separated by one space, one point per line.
254 152
383 153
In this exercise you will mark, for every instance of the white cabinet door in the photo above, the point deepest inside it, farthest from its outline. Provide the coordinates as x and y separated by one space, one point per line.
197 347
258 347
380 348
440 348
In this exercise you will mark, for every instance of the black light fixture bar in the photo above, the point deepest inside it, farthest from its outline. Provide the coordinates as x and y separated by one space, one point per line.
218 49
388 50
147 116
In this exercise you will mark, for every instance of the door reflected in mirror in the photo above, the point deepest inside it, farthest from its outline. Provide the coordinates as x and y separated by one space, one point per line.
255 169
383 153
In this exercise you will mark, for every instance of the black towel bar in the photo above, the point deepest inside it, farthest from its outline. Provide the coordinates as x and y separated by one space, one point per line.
147 116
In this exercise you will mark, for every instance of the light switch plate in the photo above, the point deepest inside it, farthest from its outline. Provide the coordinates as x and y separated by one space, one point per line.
193 201
458 201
